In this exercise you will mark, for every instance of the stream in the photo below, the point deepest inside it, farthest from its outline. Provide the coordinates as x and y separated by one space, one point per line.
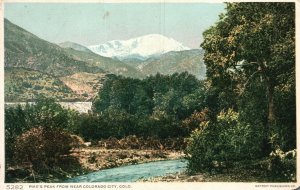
132 173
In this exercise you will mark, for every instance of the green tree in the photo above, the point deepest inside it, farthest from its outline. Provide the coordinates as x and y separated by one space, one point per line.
154 106
90 127
47 113
102 100
216 145
15 124
252 40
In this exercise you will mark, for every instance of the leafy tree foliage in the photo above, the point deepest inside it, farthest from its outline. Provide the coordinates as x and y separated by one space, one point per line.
250 61
216 145
195 120
15 124
252 41
154 106
45 114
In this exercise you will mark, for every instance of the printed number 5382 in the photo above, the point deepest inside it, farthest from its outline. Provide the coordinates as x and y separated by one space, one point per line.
14 187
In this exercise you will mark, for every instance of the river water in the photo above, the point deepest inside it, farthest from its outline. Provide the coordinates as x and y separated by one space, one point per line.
133 173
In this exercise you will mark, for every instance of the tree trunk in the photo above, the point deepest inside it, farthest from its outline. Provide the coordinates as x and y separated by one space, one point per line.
267 146
270 117
271 112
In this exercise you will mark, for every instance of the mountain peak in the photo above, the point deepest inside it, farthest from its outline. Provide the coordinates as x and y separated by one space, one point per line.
141 47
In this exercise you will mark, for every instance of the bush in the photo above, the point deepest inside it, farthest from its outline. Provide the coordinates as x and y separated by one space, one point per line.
216 145
37 87
130 142
44 113
43 148
26 85
282 165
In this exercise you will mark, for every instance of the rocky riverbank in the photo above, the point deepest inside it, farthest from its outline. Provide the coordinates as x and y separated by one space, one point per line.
250 171
240 176
94 158
90 159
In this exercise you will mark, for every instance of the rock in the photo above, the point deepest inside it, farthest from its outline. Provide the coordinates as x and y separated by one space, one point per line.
87 144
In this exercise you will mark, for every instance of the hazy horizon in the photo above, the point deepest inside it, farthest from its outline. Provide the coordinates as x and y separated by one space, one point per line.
96 23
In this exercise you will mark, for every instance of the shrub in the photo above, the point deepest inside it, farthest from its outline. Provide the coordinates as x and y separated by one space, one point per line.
42 147
44 113
26 85
282 165
216 145
130 142
38 87
77 141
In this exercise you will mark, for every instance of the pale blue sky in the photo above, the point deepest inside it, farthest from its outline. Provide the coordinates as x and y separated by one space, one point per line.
95 23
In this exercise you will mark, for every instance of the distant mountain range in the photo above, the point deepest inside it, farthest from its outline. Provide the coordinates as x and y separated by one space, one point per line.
74 46
141 48
70 71
176 61
41 58
24 49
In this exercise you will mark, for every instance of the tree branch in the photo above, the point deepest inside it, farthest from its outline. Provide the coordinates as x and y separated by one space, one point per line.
248 80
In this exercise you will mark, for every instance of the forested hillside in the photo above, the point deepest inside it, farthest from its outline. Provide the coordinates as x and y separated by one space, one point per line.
23 84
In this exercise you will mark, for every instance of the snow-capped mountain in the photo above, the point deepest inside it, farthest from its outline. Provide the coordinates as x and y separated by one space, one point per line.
138 48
